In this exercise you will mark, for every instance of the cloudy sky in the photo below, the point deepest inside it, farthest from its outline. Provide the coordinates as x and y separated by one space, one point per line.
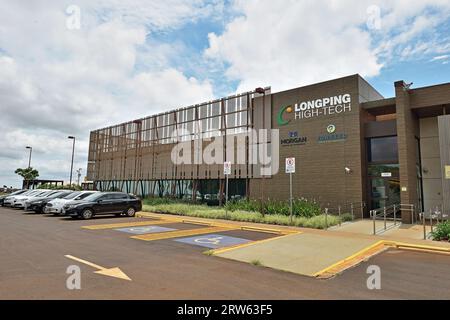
124 59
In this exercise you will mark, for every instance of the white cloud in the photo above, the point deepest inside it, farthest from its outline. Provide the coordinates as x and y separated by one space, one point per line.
290 43
56 82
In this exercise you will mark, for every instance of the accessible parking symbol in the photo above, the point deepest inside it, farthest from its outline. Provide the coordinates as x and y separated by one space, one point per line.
145 229
213 241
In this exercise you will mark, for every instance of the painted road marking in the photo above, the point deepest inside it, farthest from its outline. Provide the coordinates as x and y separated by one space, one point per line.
145 229
213 241
125 224
110 272
179 233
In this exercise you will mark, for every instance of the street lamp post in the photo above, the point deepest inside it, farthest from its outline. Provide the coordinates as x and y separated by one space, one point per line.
73 152
29 158
79 175
261 185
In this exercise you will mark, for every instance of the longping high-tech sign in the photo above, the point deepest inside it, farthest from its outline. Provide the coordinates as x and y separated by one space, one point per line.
315 108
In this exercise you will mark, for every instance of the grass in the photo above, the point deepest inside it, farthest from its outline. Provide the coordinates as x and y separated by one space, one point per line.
256 263
204 211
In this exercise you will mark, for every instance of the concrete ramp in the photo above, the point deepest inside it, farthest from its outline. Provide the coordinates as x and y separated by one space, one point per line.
306 254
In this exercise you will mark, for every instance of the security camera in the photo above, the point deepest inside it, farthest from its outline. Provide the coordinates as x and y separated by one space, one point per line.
348 170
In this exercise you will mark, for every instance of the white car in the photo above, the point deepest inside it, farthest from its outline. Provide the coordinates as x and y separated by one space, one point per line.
19 202
56 206
9 201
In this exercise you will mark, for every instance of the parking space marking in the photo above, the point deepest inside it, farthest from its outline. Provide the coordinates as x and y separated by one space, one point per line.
179 233
145 229
213 241
126 224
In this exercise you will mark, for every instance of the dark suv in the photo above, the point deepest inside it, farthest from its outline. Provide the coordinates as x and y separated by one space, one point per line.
100 203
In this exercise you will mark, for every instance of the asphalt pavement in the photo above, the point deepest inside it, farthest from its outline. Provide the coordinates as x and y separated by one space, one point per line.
33 265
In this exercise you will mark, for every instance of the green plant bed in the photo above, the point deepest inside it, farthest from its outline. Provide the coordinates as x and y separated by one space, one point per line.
204 211
441 231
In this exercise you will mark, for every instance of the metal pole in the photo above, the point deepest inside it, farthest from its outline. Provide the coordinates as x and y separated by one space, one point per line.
71 166
29 159
384 214
326 218
431 220
424 227
362 209
395 216
339 208
226 195
290 196
351 210
372 212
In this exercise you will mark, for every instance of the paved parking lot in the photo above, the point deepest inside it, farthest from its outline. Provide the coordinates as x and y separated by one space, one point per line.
36 251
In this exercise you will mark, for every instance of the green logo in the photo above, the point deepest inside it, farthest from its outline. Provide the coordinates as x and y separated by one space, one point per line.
331 128
280 120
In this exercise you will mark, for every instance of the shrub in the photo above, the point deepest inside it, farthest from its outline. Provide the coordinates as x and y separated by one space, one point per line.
441 232
170 206
300 207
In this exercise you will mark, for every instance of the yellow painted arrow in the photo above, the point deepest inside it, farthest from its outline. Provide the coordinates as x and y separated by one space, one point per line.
110 272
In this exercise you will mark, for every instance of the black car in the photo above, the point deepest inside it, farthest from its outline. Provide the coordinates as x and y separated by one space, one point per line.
39 204
101 203
16 193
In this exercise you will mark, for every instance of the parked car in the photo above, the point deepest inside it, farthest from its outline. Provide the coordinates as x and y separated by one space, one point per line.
16 193
9 201
55 206
21 203
102 203
37 204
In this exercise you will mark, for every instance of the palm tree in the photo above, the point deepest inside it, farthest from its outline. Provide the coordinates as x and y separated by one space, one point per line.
27 174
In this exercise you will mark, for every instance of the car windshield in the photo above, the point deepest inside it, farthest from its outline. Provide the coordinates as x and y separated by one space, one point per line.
73 195
84 195
94 197
18 192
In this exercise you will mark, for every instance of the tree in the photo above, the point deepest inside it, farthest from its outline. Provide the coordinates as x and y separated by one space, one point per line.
27 173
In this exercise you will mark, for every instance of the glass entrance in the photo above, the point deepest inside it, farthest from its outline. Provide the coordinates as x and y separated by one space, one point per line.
384 192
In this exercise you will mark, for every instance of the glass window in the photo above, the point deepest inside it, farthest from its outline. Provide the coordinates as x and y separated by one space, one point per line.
383 149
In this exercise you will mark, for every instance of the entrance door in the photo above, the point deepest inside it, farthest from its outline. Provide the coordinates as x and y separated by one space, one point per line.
384 192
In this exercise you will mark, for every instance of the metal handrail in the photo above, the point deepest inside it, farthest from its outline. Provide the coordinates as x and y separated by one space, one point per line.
392 209
432 215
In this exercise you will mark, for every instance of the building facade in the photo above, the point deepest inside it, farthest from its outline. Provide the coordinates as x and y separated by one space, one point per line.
350 145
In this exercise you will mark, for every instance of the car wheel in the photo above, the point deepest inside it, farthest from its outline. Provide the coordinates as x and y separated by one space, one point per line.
87 214
131 212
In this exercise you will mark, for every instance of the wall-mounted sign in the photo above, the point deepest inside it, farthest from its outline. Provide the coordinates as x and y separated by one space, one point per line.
331 128
290 165
447 172
227 168
332 136
316 108
386 174
404 189
294 139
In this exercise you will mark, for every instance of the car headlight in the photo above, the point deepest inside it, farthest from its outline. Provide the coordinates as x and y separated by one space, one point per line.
71 206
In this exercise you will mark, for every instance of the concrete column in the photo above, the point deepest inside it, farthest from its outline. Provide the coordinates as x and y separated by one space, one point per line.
407 131
444 142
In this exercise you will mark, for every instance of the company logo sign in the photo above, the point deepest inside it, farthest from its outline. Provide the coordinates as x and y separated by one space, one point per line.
332 135
280 120
315 108
331 128
293 139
